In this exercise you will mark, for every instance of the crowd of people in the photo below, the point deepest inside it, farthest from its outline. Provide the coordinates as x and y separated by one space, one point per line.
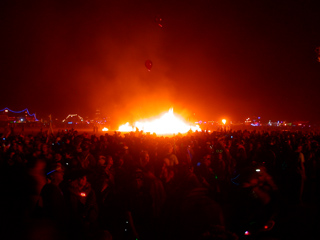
201 185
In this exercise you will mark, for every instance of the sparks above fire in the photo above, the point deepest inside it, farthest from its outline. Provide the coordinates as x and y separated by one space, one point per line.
168 123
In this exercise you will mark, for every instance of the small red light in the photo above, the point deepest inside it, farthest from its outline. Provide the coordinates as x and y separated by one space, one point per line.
246 233
266 227
83 194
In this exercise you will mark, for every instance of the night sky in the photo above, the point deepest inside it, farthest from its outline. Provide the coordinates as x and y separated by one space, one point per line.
211 58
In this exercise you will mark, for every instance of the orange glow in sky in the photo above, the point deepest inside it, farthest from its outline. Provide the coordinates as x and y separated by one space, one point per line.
168 123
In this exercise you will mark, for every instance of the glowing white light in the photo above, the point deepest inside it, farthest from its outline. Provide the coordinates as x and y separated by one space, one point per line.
72 115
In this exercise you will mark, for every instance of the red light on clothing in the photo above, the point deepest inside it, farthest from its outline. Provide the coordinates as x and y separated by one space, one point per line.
83 194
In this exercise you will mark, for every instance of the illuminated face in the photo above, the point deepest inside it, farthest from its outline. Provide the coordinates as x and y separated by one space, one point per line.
144 160
82 181
58 157
101 161
110 160
207 160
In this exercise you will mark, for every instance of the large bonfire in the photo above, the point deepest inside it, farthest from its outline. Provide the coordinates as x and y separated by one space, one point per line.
168 123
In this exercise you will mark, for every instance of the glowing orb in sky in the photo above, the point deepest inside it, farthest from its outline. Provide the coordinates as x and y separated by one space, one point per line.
148 64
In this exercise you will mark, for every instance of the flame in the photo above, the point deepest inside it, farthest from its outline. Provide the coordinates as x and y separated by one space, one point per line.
105 129
126 128
168 123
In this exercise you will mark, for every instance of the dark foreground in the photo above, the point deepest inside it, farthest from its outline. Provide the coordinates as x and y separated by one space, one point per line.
219 185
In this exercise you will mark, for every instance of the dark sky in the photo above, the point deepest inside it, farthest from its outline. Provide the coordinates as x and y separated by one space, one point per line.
214 58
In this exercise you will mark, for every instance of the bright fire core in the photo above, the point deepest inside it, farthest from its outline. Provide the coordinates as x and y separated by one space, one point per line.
168 123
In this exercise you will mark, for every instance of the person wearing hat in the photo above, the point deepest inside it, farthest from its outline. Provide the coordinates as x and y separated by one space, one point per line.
52 202
81 203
